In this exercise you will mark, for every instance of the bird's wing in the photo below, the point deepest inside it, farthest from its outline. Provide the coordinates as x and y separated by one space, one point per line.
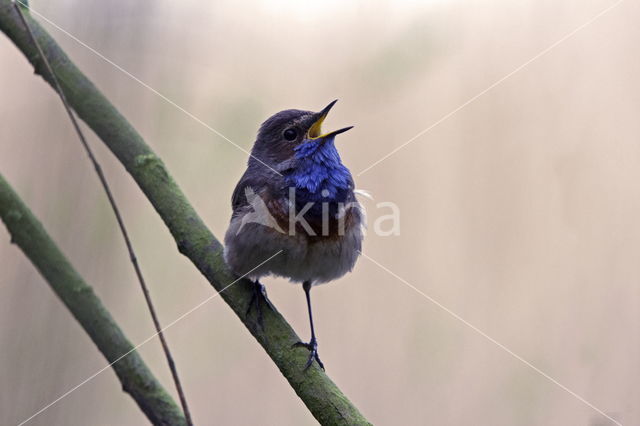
263 185
238 199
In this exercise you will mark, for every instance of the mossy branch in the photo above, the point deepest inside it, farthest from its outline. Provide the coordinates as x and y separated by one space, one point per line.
137 380
321 396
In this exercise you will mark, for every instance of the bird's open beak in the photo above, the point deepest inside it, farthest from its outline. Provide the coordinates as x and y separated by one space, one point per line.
315 130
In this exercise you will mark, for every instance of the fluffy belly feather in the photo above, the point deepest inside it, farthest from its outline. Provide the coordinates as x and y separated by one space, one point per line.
303 258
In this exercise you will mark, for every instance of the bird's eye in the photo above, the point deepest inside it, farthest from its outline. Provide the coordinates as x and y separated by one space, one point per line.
290 134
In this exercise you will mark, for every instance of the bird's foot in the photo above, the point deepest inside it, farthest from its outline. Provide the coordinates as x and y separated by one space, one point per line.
312 346
259 295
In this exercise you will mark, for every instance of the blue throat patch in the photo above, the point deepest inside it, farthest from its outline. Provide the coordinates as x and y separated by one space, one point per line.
320 175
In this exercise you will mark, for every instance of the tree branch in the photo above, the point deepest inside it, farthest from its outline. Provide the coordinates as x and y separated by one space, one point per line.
321 396
136 378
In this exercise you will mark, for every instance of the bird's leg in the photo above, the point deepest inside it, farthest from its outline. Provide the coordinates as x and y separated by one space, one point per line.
259 294
313 343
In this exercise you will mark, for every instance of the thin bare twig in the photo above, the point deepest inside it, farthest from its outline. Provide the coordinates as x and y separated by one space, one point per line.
116 211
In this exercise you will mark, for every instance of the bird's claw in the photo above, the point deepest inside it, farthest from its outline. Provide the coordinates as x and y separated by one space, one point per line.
259 292
312 346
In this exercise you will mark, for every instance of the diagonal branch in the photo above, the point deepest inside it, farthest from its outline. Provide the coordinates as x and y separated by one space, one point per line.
321 396
137 380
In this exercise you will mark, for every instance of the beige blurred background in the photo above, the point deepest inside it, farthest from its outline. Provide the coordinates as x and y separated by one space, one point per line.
519 213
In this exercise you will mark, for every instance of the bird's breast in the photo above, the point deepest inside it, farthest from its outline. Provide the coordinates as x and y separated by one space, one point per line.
317 219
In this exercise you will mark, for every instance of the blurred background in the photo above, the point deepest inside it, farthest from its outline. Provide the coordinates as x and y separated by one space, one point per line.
519 212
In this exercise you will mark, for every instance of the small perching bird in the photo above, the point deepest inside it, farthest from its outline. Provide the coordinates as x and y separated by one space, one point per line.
297 198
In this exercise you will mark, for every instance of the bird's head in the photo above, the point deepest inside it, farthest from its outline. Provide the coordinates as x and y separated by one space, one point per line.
293 135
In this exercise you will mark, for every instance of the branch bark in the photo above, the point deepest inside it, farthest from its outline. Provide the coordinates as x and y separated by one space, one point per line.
322 397
136 378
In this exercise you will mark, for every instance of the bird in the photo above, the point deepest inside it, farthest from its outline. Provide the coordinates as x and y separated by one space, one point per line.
296 198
